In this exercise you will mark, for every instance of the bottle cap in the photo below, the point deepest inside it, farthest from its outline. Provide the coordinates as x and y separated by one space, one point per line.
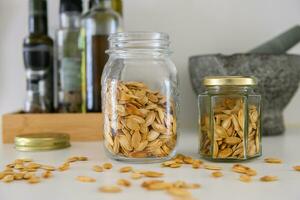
229 80
70 5
37 7
42 141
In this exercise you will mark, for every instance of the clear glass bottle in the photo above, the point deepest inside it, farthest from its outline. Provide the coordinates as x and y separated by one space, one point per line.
140 98
38 60
230 118
97 24
68 56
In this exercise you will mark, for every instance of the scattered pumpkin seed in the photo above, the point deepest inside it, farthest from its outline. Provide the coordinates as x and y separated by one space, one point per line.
212 167
124 182
273 160
136 175
125 169
8 178
107 165
217 174
268 178
34 180
297 167
110 189
245 178
179 192
47 174
85 179
152 174
97 168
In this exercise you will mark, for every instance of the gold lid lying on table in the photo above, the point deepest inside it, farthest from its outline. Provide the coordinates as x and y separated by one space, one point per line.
229 80
42 141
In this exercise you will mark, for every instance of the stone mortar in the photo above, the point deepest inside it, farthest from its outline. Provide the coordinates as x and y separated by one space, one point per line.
278 77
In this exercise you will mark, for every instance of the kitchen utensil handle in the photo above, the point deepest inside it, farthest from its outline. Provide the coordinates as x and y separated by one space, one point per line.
281 43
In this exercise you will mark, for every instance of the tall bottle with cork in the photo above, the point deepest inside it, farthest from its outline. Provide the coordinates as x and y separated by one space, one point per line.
38 60
97 24
68 56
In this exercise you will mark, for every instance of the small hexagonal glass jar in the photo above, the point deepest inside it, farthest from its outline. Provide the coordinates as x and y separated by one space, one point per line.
230 119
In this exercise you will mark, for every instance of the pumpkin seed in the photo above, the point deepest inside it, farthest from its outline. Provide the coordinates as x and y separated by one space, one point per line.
273 160
125 169
268 178
110 189
124 182
107 165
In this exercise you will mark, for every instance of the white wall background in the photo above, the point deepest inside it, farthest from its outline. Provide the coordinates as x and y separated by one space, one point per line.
195 27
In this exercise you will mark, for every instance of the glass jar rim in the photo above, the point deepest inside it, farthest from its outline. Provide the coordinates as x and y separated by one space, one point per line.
136 35
229 81
139 40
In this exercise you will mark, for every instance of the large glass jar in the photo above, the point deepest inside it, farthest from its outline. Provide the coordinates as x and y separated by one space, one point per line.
230 118
140 98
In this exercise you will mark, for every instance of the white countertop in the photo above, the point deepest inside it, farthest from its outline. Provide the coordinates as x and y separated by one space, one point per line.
63 186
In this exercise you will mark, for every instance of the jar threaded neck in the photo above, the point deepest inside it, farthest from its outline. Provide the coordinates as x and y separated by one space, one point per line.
141 41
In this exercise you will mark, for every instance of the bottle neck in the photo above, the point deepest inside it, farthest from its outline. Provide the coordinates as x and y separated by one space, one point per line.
38 24
70 20
106 4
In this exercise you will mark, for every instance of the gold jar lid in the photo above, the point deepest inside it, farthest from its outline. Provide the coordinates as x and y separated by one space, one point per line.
42 141
229 80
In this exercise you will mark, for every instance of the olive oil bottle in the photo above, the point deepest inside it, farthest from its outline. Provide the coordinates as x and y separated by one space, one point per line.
38 60
100 21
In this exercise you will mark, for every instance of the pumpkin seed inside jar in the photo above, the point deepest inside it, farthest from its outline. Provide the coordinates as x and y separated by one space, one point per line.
143 125
229 122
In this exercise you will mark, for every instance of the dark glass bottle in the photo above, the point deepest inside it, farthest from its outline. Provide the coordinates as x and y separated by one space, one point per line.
38 60
68 57
97 24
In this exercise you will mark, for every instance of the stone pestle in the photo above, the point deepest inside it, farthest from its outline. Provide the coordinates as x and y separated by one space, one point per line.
281 43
